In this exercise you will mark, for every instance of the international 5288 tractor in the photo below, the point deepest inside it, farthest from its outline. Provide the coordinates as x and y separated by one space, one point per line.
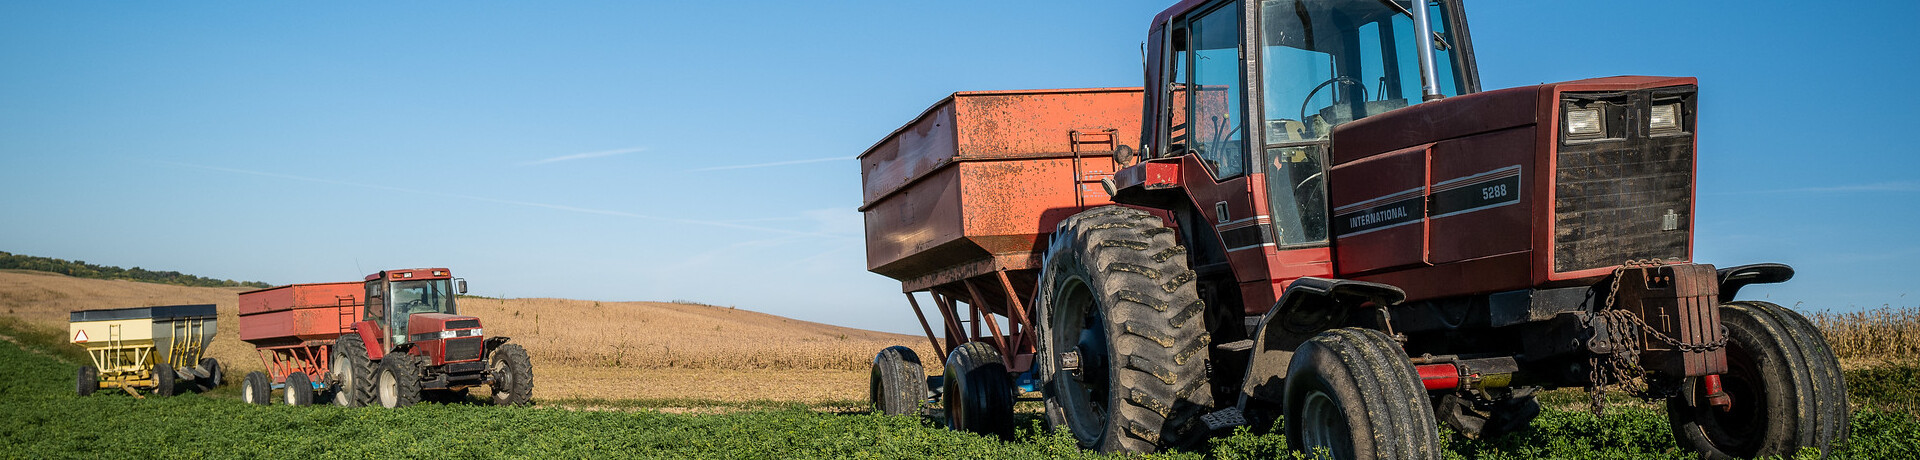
391 340
1312 211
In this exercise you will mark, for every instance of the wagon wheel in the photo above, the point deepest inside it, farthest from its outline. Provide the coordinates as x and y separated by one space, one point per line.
163 379
215 374
898 384
350 373
299 389
88 381
397 383
256 388
512 374
1122 351
1785 383
1353 392
978 394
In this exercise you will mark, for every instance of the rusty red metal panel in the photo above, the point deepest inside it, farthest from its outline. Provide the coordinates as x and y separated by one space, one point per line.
1379 207
986 175
299 296
297 313
1494 169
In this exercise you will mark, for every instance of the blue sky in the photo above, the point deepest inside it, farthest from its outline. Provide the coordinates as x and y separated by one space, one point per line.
702 150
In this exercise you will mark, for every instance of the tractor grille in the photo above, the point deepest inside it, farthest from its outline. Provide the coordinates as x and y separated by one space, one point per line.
1627 192
463 324
463 349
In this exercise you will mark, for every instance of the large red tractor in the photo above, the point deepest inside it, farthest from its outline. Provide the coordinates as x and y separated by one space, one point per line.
391 340
1319 217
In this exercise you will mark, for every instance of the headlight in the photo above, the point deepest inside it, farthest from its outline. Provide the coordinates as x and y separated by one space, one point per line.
1583 122
1665 117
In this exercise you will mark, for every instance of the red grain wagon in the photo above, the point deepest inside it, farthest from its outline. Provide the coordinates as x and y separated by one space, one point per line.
293 327
957 204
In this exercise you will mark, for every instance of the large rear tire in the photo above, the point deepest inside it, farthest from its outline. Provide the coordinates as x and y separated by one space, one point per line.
978 392
1785 383
512 375
397 383
87 382
351 372
1354 392
257 388
899 383
1116 293
164 379
299 389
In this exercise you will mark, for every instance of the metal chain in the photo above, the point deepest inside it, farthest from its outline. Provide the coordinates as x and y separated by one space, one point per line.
1624 358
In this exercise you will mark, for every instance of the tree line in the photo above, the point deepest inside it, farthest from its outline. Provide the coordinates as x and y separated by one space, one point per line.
81 269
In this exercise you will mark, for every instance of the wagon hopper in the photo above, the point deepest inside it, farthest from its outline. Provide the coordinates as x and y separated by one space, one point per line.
958 204
160 350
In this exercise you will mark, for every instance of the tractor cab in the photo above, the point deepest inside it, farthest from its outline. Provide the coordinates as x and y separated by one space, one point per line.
1247 94
414 305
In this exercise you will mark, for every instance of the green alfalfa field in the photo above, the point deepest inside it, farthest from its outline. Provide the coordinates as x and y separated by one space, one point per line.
41 417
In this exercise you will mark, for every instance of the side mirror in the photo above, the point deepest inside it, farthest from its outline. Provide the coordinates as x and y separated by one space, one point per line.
460 285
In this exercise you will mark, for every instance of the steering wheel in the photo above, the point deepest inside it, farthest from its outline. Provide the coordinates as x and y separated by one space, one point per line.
1316 90
409 306
1304 182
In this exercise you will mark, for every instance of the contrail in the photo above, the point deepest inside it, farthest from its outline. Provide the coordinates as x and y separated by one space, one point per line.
1874 187
769 165
582 156
507 202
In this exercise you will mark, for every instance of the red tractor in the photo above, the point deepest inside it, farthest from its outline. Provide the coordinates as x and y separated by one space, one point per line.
1323 219
391 340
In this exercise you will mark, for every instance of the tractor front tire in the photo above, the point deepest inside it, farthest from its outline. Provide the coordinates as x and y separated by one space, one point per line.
1353 392
88 381
216 375
164 379
299 389
397 383
512 375
351 374
1786 386
257 388
978 392
1122 352
899 383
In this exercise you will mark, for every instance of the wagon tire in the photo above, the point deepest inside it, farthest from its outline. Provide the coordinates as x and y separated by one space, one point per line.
299 389
1116 292
256 388
88 381
899 383
397 383
978 393
351 374
512 375
216 375
164 379
1355 393
1786 386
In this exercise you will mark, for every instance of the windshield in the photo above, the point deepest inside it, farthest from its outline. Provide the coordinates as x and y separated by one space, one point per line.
422 296
1332 62
1328 63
